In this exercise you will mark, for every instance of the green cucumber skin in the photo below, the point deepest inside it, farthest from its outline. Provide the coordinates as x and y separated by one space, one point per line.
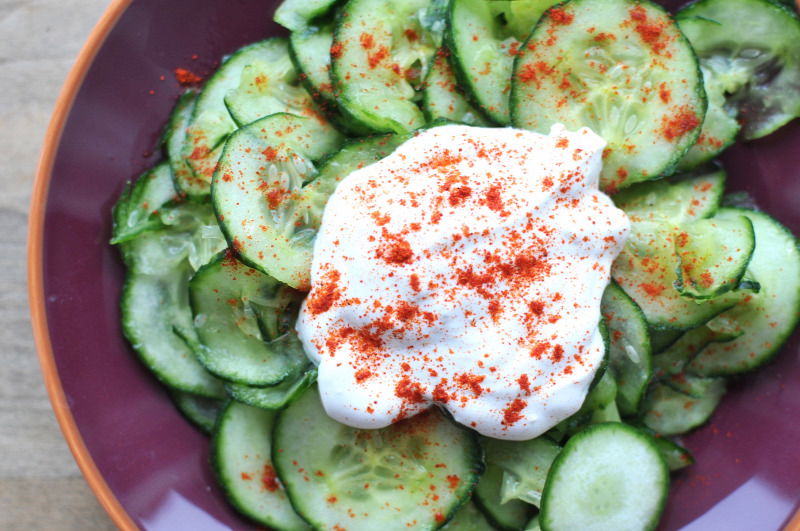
611 179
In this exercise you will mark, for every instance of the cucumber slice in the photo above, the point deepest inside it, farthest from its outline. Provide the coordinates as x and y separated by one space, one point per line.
645 269
189 232
670 411
199 410
768 317
469 518
484 38
524 465
609 476
674 359
263 168
310 51
442 98
413 474
630 354
243 323
378 61
211 122
241 450
268 85
275 397
676 456
758 69
713 255
719 128
694 195
174 145
296 15
622 68
137 209
152 307
510 515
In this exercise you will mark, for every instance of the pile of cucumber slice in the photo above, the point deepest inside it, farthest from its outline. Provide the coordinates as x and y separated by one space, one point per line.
218 239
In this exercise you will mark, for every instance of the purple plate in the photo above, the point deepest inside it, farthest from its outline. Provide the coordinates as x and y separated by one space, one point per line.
146 464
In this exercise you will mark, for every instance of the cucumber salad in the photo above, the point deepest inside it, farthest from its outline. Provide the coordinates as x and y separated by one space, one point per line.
226 237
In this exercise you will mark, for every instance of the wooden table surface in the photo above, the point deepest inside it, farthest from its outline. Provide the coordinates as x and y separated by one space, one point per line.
40 484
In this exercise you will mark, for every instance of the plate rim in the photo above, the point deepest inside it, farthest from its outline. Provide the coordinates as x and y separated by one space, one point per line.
35 271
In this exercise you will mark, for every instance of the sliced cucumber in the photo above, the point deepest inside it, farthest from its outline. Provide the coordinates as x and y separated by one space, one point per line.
269 84
211 123
174 145
152 307
241 316
713 255
719 128
685 197
310 50
484 38
768 317
262 170
241 454
413 474
275 397
138 206
669 411
442 98
296 15
378 62
645 269
622 68
510 515
469 518
189 231
609 476
524 465
758 69
674 359
199 410
630 354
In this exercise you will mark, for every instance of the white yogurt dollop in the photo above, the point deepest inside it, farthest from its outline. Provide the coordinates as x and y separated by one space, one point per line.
466 270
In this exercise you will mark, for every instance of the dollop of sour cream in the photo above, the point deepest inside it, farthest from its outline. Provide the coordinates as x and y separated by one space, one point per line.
465 270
